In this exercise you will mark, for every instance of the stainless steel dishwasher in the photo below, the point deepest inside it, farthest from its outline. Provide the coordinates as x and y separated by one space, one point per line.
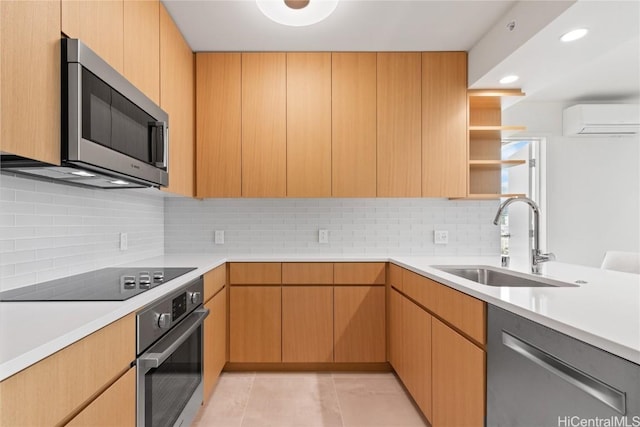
539 377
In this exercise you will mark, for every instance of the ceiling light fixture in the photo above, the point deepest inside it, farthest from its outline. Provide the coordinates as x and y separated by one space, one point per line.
508 79
297 13
574 35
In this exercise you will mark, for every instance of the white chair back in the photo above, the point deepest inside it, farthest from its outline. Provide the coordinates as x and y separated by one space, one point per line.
628 262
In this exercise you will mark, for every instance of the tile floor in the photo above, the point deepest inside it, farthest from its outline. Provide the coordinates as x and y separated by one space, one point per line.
309 400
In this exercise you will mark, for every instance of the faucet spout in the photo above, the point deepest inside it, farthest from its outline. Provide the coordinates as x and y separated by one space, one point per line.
537 257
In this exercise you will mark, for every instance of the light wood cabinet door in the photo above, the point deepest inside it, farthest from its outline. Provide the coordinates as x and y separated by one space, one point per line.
359 324
264 131
116 406
215 341
309 124
353 124
307 324
396 334
444 124
100 25
177 99
399 124
359 273
218 126
30 83
255 273
458 379
255 324
48 392
416 352
142 46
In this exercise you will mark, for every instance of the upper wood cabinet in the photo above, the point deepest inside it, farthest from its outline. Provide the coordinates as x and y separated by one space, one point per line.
100 25
353 124
444 124
264 112
218 125
177 99
399 170
142 46
30 83
308 124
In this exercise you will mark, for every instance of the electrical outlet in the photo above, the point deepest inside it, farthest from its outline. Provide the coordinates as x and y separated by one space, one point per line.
440 237
219 237
323 236
124 243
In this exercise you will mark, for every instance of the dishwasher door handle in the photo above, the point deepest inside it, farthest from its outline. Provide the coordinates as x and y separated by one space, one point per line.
585 382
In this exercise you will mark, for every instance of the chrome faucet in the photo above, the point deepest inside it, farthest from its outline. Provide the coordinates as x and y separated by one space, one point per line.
537 257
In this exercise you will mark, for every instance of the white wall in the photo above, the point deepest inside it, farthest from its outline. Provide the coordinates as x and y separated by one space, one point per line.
593 187
50 230
356 226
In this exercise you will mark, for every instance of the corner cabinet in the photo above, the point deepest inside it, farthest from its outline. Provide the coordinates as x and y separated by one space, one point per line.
485 143
437 347
215 328
178 100
30 79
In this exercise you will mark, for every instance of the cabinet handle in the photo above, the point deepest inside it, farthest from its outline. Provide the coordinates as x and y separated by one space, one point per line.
585 382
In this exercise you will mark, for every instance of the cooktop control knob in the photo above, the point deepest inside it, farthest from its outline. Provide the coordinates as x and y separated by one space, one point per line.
164 320
194 297
144 279
158 276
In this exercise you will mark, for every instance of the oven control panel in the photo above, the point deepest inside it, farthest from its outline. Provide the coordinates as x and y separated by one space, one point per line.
159 317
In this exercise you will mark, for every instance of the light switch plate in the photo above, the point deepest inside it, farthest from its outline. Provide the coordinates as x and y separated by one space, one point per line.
219 237
323 236
440 237
124 241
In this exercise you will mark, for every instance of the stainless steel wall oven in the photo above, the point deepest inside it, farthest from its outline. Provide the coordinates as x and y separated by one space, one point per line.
169 362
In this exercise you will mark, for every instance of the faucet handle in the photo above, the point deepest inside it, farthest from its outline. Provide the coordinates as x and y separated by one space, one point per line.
547 257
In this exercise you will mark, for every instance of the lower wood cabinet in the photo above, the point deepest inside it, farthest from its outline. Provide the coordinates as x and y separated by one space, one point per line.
307 324
215 341
54 390
359 324
459 381
115 407
255 324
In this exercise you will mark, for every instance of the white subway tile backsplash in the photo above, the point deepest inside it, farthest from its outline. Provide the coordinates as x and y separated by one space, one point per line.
356 226
59 230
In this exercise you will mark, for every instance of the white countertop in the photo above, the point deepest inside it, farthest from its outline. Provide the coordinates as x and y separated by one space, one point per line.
604 312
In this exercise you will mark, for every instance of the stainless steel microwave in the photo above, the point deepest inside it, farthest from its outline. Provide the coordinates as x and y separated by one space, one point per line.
113 136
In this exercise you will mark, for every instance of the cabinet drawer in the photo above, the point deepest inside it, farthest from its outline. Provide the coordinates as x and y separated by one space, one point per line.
307 273
394 276
464 312
214 280
359 273
255 273
52 389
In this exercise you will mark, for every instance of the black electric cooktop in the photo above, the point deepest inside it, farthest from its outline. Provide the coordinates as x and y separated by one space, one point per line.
107 284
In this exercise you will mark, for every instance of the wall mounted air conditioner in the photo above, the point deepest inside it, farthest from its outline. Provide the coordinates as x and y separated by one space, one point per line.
601 119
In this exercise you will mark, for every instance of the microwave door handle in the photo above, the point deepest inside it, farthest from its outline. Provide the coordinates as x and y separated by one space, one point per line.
151 359
160 134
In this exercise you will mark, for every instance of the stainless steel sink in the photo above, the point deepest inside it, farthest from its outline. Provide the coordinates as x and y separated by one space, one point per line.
493 276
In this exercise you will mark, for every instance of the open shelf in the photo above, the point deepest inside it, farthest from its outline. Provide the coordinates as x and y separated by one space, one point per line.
494 164
490 196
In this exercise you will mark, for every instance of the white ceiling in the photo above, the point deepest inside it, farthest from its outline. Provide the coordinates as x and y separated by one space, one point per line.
355 25
604 66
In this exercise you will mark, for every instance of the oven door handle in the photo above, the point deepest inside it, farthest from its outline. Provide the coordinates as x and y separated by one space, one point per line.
156 355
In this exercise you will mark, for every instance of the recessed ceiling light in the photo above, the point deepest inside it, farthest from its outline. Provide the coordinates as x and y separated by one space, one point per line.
82 173
297 13
119 182
574 35
508 79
